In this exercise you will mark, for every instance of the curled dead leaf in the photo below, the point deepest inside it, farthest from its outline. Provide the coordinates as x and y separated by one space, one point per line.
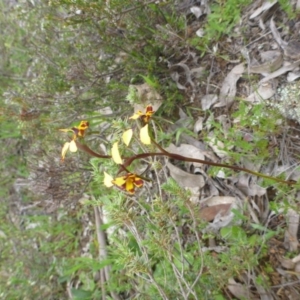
290 238
208 100
147 95
239 291
264 7
185 179
272 61
228 90
264 91
189 151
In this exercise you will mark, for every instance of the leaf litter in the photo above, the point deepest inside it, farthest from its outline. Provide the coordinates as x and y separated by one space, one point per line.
271 63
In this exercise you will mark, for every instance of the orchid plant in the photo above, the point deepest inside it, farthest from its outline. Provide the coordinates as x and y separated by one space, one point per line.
129 181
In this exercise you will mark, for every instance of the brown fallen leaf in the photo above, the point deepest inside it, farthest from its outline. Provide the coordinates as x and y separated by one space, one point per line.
147 95
185 179
272 61
264 7
209 213
239 290
189 151
228 89
264 91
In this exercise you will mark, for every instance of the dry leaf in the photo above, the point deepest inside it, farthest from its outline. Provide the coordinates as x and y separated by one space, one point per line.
200 32
198 72
288 66
175 76
198 125
216 200
266 5
276 35
208 100
287 263
188 151
187 72
185 179
195 194
290 238
248 186
197 11
265 91
210 212
265 294
106 111
293 76
228 89
147 95
272 61
216 145
239 291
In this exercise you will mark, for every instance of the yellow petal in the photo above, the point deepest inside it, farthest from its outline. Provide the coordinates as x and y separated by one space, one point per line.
120 181
83 125
65 129
73 147
65 150
108 180
129 185
136 115
116 154
144 135
127 136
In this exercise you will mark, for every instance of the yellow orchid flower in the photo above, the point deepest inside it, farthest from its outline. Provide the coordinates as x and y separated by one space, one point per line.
80 129
127 182
144 116
77 131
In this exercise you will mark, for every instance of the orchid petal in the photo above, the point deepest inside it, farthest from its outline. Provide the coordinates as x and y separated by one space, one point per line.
120 181
83 125
129 186
136 115
73 146
138 182
116 154
127 136
144 135
108 180
65 130
65 150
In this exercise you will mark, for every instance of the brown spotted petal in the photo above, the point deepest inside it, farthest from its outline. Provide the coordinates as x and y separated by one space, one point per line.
128 182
